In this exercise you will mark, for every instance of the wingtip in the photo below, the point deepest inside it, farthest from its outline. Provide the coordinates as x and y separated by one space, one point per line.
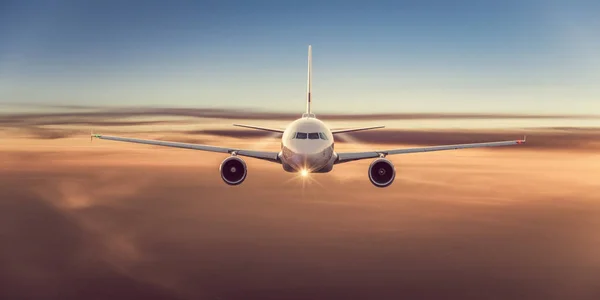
93 135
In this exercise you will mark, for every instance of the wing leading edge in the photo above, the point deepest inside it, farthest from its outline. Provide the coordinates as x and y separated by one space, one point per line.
351 156
269 156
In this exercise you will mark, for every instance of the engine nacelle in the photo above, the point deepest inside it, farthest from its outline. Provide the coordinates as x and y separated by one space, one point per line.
382 172
233 170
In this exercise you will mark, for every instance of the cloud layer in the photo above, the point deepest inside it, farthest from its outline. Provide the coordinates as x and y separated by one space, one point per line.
454 225
109 220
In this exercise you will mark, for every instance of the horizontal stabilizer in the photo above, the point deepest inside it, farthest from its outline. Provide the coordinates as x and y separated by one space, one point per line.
260 128
334 131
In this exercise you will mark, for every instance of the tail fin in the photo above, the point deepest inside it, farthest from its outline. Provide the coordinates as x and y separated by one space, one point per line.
309 82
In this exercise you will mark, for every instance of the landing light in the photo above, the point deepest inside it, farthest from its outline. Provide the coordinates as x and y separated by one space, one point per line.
304 173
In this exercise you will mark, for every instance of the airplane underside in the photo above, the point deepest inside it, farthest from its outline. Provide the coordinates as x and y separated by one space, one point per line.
325 169
320 162
381 172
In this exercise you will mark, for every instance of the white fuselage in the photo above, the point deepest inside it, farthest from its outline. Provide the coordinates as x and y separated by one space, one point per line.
307 144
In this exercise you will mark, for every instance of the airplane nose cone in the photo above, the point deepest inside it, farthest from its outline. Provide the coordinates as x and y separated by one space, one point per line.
300 159
307 149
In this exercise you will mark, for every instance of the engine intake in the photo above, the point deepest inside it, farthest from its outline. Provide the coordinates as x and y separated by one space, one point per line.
233 170
382 172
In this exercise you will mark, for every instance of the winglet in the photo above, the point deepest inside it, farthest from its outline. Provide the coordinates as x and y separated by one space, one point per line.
523 140
92 135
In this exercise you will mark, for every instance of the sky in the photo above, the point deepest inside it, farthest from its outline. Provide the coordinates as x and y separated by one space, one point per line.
368 56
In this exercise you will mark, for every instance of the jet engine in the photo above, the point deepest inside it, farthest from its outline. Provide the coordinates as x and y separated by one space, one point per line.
233 170
382 172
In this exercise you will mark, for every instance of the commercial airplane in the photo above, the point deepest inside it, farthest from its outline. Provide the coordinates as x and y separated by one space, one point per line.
307 146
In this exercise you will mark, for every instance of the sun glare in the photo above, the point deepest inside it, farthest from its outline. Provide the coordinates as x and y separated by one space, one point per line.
304 173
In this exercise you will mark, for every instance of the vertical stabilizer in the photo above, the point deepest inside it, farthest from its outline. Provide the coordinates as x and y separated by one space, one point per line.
309 82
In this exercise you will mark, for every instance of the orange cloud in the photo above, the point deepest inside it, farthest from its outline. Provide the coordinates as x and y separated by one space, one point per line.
458 221
111 220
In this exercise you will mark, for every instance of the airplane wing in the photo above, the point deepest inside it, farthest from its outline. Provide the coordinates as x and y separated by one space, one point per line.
351 156
259 128
269 156
335 131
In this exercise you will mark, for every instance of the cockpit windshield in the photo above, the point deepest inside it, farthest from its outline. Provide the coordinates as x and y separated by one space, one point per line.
301 135
313 135
310 136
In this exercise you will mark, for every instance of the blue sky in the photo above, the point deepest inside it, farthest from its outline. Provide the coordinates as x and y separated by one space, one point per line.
402 56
